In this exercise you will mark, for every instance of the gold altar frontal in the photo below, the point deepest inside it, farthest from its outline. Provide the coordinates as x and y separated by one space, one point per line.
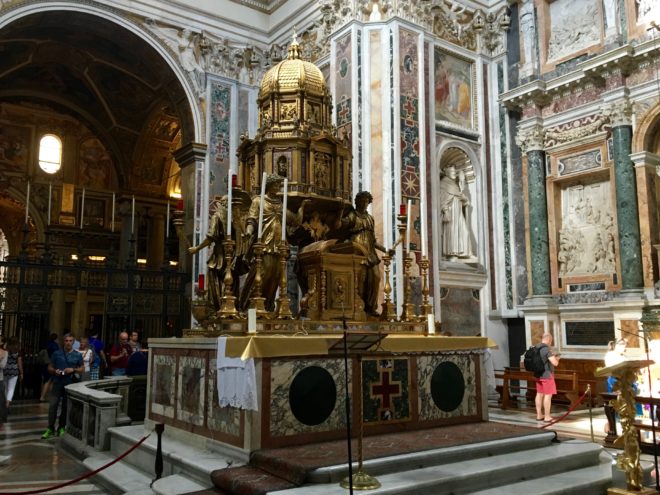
397 381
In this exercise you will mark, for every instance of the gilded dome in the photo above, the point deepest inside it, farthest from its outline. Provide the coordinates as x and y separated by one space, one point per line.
293 74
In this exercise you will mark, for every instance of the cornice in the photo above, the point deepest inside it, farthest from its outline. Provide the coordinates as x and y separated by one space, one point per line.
593 71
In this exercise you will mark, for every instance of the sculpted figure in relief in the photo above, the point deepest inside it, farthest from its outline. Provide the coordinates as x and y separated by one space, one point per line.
453 205
528 32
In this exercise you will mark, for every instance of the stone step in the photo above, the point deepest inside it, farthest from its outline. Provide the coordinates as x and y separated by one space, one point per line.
178 456
471 475
592 480
123 478
434 457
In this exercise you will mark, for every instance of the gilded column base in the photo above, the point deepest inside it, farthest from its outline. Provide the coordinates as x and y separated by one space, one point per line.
228 308
408 313
361 481
389 312
624 491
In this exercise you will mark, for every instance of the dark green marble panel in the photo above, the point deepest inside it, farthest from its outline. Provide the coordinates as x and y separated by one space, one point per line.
538 222
626 209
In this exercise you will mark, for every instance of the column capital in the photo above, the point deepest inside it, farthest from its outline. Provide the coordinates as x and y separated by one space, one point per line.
531 138
190 153
618 112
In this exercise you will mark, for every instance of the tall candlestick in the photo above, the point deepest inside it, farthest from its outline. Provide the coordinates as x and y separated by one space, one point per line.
167 221
261 206
284 202
408 226
50 199
133 216
27 202
82 209
230 193
112 224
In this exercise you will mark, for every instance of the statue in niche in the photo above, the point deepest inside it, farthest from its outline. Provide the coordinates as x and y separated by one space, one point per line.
358 226
610 9
453 210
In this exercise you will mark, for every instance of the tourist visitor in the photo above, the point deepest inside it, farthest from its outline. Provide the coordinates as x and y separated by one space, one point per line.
545 384
13 372
119 355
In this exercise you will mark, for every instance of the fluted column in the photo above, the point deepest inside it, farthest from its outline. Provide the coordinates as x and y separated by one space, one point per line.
620 115
530 141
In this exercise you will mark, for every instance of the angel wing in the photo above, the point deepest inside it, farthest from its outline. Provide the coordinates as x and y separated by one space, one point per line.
183 42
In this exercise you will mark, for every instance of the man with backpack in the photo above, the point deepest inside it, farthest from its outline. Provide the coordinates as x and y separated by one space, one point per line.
545 383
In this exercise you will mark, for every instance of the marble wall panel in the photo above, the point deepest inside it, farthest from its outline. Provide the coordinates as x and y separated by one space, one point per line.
426 366
385 390
163 380
343 93
219 133
282 420
191 390
375 95
460 311
221 419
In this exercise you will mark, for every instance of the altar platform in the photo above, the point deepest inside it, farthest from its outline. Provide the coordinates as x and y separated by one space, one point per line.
396 382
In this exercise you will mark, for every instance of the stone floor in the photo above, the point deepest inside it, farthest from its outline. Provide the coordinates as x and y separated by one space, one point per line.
29 463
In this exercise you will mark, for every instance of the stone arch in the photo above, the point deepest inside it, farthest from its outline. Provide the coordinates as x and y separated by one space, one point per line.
647 134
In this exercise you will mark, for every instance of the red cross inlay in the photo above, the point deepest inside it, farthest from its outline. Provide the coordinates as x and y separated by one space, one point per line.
344 112
409 108
385 388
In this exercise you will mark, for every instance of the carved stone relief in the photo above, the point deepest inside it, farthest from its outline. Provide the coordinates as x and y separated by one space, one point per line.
579 163
586 239
574 26
647 11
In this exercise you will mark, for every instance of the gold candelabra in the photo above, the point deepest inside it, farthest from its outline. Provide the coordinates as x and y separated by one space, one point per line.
426 309
283 302
389 311
408 311
228 300
257 301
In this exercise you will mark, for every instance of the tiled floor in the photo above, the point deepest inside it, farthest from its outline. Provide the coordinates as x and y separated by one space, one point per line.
31 463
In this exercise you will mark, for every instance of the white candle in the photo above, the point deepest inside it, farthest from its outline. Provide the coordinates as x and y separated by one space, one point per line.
422 212
27 202
133 216
82 208
261 206
284 202
230 193
167 221
50 198
112 224
408 226
430 324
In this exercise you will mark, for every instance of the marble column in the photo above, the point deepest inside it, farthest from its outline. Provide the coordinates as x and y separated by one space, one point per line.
155 241
530 141
620 115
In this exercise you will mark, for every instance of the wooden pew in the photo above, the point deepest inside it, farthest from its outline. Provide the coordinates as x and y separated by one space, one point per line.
567 384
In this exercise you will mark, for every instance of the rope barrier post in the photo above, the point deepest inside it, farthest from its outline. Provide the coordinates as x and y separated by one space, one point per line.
160 428
591 416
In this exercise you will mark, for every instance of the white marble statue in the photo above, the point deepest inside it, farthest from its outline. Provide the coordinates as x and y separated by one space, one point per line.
611 11
528 33
453 205
647 11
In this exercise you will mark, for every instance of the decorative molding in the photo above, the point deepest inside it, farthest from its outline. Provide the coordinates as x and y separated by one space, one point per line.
492 28
265 6
572 131
531 138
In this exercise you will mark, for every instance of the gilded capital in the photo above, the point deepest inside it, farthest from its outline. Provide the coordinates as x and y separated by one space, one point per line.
619 112
531 139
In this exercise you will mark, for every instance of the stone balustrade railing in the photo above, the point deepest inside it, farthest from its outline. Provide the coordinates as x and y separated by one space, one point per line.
93 407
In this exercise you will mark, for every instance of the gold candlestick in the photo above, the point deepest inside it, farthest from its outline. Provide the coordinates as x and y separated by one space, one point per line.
407 313
283 302
426 309
228 300
389 311
256 300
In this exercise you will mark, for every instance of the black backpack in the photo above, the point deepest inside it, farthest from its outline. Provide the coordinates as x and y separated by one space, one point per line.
534 362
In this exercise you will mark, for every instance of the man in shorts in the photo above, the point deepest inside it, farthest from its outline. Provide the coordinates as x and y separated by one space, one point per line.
545 384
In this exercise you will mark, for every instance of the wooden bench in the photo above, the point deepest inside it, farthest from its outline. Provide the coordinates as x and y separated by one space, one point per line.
567 384
612 434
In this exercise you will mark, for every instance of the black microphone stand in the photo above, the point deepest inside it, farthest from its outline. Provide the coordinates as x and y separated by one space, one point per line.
348 402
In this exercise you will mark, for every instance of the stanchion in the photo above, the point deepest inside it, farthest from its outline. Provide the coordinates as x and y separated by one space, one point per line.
591 416
158 467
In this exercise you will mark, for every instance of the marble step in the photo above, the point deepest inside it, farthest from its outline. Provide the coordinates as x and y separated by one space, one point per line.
178 456
592 480
471 475
434 457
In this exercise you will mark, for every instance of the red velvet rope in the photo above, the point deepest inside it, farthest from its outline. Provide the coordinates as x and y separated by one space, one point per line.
82 476
557 420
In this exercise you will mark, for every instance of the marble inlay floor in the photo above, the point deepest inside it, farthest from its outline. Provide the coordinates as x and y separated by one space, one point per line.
29 463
